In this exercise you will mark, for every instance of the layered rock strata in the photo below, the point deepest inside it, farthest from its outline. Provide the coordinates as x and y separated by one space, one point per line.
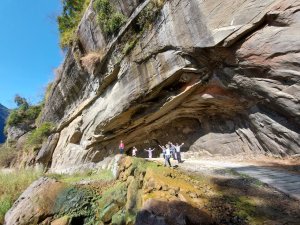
220 76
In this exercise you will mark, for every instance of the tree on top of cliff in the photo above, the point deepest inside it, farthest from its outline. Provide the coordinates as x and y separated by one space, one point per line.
25 114
20 101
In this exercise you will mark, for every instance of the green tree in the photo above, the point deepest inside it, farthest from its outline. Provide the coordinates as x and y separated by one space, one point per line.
69 20
21 102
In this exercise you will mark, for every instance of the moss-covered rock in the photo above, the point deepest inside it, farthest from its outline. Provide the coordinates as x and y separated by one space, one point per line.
65 220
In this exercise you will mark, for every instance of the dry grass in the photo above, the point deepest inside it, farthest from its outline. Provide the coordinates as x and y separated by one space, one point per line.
12 185
90 61
7 155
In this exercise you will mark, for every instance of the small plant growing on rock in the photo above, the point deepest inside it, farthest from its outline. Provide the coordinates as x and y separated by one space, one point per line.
129 46
150 14
40 134
108 17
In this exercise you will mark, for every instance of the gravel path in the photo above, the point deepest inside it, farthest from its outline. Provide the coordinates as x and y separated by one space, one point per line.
284 181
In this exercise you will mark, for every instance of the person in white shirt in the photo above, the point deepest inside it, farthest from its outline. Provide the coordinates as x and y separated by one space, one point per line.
163 150
134 150
167 155
178 153
149 152
173 150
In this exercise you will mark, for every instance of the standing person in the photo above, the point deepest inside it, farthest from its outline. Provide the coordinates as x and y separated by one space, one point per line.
134 150
163 150
173 150
121 147
168 155
178 153
149 152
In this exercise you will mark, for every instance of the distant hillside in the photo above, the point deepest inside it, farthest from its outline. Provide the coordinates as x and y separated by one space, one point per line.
3 115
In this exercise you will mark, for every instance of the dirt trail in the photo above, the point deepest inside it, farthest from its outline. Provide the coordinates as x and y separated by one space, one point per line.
278 178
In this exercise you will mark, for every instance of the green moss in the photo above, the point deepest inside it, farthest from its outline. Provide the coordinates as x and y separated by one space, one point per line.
75 202
116 193
245 208
103 175
123 217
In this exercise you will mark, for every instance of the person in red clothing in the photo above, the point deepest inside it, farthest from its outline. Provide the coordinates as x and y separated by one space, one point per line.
121 147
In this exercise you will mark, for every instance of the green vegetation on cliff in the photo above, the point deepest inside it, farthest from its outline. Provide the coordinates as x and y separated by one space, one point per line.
40 134
25 120
24 115
69 19
108 17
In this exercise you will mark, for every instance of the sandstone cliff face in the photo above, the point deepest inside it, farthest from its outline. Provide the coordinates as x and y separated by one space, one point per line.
3 115
221 76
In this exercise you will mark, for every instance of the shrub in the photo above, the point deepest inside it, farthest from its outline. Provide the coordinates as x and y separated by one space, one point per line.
33 112
107 16
37 136
20 101
23 116
15 117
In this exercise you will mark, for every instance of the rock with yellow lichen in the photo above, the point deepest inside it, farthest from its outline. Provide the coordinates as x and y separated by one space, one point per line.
143 191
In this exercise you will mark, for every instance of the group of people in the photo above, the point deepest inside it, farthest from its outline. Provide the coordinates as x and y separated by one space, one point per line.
169 150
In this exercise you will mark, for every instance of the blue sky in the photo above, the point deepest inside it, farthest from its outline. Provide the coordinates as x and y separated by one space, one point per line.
29 48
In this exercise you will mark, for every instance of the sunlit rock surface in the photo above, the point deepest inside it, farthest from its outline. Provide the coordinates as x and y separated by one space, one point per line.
220 76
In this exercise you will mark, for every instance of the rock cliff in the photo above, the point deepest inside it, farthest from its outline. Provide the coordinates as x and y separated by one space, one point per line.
221 76
3 115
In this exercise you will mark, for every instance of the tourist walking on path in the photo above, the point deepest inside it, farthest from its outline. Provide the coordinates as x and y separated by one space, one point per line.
167 155
149 152
121 147
134 150
178 153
